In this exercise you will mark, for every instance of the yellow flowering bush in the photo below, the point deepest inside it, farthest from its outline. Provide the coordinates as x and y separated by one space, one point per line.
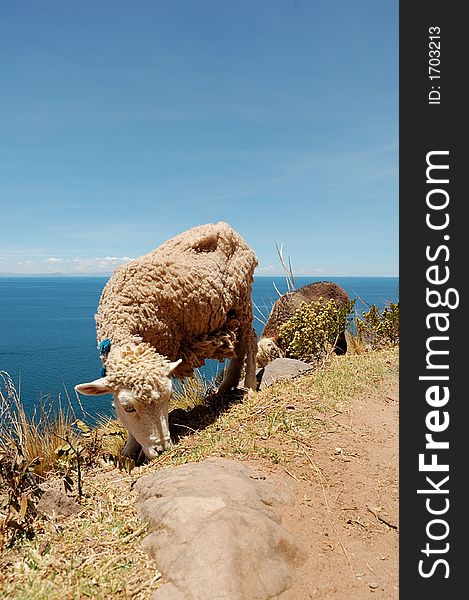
380 329
313 329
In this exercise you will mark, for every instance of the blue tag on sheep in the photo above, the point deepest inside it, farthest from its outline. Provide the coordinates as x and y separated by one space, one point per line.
105 346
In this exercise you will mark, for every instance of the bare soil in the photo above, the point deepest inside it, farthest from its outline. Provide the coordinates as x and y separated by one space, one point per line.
346 509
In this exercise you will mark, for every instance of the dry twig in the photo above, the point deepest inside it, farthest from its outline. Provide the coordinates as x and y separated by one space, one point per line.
380 518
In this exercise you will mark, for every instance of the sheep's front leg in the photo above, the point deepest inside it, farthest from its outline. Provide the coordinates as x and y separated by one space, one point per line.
232 372
132 448
245 348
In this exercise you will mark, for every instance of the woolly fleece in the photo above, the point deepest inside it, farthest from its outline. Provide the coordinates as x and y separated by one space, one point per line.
188 299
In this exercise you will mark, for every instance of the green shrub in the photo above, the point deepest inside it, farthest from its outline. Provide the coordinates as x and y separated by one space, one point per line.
313 329
379 329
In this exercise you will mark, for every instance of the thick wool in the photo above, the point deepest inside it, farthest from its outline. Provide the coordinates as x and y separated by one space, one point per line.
188 299
137 368
270 343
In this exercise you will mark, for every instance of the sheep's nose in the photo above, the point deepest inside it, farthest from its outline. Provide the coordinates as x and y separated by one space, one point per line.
155 450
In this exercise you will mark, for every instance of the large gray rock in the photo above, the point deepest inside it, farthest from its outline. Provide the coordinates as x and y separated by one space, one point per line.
280 369
216 532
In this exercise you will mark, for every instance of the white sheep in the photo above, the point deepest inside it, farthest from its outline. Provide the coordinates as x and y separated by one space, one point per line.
162 315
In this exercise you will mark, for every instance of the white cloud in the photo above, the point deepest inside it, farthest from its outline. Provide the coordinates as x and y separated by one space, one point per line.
67 266
265 269
97 264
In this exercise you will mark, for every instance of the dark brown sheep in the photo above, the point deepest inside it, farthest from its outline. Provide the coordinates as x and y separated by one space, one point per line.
270 343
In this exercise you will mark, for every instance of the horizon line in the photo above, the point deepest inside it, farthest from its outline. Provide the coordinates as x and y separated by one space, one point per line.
110 274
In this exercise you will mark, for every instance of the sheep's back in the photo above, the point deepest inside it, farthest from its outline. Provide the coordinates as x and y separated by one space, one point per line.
328 290
184 288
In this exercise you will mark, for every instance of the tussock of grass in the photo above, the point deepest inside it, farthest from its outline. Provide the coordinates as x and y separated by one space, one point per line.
354 375
35 436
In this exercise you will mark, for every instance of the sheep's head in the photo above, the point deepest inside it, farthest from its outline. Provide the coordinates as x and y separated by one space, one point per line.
139 379
267 350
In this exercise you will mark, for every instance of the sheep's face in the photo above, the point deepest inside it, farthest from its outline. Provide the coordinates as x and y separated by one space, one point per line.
267 351
143 413
146 421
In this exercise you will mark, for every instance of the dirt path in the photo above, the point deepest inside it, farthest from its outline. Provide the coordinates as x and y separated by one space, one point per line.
346 509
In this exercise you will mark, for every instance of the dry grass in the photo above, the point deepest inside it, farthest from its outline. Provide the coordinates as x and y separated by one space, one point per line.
38 435
192 391
96 553
92 554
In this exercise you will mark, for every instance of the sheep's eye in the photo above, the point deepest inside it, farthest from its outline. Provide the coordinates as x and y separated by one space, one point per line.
129 408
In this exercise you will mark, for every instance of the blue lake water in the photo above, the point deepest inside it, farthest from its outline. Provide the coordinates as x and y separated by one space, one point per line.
48 336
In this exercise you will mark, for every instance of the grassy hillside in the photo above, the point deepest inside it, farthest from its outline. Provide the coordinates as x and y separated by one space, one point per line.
95 552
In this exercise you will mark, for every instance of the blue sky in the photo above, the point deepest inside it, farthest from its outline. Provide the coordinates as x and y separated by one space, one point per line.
124 123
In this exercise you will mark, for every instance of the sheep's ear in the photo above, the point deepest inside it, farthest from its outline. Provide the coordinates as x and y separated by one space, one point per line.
94 388
174 365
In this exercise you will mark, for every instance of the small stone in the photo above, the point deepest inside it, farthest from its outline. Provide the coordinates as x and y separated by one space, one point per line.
281 369
373 585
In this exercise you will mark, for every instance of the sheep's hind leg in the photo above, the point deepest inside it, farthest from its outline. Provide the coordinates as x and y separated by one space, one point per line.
341 345
250 380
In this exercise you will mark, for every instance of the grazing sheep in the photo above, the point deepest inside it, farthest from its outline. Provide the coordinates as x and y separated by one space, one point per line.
162 315
270 343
